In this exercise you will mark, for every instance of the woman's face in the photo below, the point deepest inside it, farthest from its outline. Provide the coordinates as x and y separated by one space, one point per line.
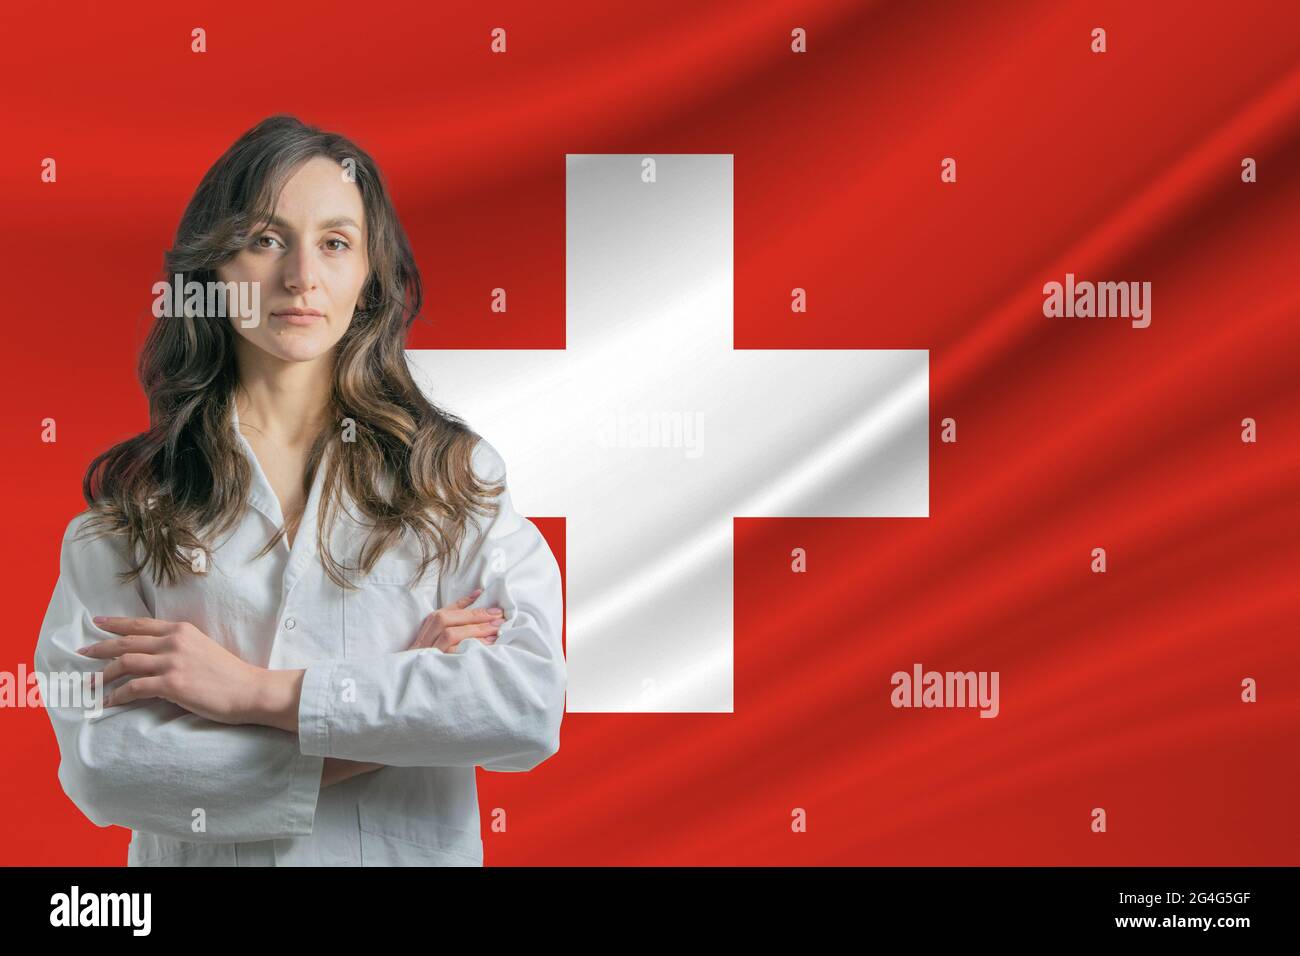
310 261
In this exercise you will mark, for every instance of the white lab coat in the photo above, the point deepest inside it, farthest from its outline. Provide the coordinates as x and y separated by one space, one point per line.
200 793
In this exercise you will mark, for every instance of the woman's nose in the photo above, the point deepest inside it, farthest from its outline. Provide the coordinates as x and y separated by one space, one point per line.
299 271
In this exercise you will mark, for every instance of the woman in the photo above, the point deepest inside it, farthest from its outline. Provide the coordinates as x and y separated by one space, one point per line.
276 577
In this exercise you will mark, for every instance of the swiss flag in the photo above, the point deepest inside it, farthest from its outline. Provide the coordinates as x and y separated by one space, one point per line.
921 171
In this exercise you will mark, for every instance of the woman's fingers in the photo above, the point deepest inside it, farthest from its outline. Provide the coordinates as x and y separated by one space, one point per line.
472 630
132 690
480 615
134 625
117 646
467 600
448 626
443 642
487 633
459 612
452 636
132 664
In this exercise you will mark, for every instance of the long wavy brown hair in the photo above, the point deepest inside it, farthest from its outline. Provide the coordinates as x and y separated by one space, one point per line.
185 481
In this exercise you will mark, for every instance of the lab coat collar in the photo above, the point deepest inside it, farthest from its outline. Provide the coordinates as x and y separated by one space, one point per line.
262 497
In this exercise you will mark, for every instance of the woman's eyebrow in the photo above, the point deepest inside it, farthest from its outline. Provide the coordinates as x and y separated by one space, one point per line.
339 221
334 223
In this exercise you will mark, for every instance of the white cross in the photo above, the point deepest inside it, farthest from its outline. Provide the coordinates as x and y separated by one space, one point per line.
766 433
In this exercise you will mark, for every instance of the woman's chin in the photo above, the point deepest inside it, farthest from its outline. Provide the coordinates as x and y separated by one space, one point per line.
299 349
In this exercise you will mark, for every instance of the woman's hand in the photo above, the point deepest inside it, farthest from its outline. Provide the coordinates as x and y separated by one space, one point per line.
175 661
448 626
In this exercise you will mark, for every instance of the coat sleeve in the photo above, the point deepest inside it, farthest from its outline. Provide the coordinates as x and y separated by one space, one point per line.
151 765
497 706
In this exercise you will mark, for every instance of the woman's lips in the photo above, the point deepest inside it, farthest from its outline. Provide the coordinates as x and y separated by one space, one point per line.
298 317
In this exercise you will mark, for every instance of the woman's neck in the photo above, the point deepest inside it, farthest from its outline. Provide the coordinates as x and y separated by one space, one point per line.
286 402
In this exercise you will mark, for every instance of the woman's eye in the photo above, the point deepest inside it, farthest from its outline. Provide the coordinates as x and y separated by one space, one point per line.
260 240
342 244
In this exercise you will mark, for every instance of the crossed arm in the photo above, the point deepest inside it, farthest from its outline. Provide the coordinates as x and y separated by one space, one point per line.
175 661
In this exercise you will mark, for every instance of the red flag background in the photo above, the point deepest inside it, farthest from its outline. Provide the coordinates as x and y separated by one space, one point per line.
1119 690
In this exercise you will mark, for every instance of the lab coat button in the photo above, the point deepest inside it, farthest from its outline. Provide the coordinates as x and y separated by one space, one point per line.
289 624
